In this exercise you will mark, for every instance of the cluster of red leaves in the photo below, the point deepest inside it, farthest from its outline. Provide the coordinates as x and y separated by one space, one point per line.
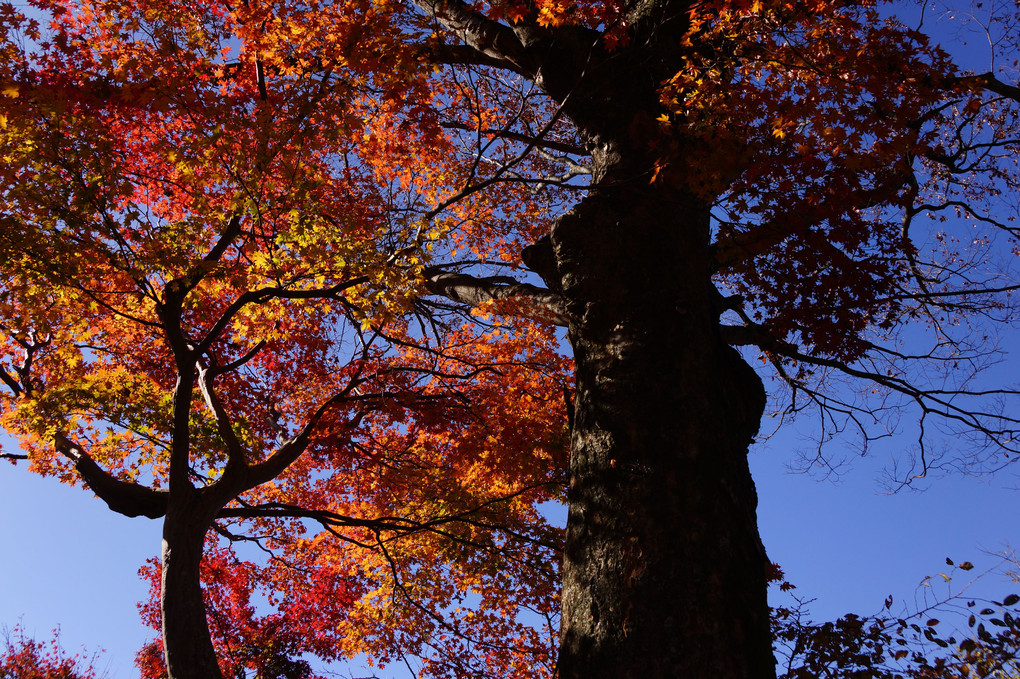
245 636
22 657
455 463
819 109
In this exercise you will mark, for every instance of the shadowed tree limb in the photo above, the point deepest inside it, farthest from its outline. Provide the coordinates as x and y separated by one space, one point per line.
475 291
989 82
123 497
492 39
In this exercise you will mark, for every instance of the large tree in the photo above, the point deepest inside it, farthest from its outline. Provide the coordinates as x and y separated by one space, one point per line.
243 245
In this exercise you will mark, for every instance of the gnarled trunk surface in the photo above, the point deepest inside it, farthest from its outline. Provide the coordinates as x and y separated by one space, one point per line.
664 571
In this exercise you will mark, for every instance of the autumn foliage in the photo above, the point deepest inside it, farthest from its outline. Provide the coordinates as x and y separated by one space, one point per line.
262 278
184 178
23 657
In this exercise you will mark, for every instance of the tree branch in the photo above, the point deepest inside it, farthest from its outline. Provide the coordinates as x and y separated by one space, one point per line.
989 82
399 525
542 143
235 451
465 55
123 497
295 446
262 295
489 38
550 306
230 233
731 249
11 383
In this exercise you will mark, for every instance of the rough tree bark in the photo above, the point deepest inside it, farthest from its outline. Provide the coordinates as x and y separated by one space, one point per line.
187 643
664 570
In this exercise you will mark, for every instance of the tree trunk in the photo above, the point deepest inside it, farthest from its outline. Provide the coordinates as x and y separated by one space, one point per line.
186 640
664 571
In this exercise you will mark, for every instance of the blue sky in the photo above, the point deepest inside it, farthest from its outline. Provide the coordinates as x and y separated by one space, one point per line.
68 561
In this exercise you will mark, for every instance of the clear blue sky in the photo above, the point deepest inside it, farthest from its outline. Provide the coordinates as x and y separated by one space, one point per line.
67 560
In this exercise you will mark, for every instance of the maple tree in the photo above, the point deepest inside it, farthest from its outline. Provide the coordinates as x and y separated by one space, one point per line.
262 280
199 314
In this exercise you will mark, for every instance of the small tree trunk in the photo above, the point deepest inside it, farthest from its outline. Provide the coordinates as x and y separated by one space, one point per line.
664 571
186 640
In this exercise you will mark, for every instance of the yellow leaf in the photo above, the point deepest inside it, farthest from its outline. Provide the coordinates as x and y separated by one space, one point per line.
10 91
